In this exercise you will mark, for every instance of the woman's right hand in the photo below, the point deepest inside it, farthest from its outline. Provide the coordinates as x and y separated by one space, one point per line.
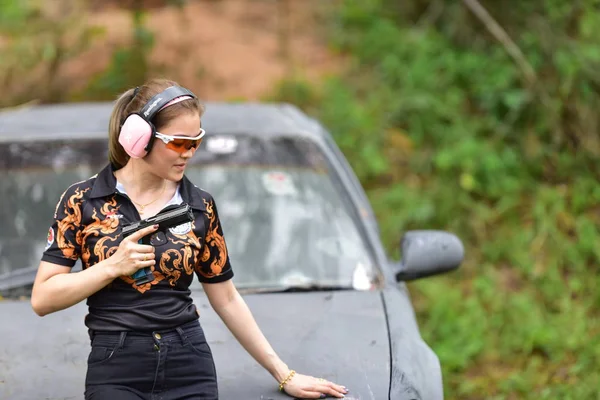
132 256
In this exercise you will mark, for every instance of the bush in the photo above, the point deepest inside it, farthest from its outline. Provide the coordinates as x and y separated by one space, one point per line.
446 132
36 39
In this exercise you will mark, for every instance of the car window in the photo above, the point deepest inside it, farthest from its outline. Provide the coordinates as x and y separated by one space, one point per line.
285 216
32 178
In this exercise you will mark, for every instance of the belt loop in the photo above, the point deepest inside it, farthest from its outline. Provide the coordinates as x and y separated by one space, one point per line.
122 340
182 335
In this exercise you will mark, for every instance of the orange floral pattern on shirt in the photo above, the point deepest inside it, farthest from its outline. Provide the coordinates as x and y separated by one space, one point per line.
215 249
104 227
70 222
97 240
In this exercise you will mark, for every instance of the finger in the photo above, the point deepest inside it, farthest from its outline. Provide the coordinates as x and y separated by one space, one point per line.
142 248
143 256
339 388
311 395
334 386
148 263
329 390
145 262
136 236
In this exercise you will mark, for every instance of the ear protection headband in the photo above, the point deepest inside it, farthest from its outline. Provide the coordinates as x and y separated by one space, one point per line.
138 132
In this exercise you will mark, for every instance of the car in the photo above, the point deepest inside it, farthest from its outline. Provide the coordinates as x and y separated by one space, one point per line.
303 240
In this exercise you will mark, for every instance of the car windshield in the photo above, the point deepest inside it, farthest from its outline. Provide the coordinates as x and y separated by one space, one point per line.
286 219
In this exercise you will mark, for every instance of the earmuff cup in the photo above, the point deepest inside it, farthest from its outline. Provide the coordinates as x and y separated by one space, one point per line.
136 136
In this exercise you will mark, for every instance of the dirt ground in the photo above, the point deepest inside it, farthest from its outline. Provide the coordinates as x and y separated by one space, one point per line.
221 49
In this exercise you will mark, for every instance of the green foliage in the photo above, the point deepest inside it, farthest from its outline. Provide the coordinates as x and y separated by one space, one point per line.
36 38
294 90
446 132
129 66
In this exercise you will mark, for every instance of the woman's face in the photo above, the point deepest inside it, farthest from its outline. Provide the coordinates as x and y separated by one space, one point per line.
167 163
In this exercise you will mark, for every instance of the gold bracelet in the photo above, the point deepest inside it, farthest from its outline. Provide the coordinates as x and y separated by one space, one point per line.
286 380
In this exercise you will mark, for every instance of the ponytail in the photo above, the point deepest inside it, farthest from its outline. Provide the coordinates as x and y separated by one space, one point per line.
116 154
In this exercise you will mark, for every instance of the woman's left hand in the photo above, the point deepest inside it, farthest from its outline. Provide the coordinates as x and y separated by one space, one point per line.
308 387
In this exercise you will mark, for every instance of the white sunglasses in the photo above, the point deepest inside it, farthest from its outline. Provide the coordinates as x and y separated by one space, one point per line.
181 144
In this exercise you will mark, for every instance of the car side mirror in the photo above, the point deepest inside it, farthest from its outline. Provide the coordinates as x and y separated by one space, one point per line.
428 252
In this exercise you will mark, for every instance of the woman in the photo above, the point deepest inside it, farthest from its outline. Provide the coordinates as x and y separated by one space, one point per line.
146 340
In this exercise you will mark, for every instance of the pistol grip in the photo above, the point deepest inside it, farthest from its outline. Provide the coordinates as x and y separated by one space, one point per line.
143 275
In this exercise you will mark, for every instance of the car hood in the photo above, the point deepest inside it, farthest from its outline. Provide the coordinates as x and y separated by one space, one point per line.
340 335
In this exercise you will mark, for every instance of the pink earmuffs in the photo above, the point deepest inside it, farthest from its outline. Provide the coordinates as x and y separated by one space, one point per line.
135 136
138 132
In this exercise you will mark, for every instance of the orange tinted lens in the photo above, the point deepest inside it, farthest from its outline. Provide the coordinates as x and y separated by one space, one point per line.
183 145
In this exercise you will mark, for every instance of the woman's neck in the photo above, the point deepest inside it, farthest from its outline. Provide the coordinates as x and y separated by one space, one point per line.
138 180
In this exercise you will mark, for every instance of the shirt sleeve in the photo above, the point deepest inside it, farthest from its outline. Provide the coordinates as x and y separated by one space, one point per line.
63 243
214 265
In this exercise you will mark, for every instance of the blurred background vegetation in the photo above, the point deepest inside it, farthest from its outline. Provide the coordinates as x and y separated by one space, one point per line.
470 116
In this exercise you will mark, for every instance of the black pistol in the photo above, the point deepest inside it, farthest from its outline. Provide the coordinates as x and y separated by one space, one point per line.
167 218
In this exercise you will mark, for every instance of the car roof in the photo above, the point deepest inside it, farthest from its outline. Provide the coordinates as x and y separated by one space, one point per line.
90 120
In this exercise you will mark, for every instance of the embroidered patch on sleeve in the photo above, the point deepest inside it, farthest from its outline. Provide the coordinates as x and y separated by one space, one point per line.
49 238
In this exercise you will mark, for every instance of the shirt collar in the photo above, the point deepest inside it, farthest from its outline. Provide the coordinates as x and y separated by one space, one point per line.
106 184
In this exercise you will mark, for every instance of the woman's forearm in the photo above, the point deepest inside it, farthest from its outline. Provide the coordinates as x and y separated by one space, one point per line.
238 318
65 290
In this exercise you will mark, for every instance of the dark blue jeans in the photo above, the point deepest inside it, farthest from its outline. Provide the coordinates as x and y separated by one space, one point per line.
170 365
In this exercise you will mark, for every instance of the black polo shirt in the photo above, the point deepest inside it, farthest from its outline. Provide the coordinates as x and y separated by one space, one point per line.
88 225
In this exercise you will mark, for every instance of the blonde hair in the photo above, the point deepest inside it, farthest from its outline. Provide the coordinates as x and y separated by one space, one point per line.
130 101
